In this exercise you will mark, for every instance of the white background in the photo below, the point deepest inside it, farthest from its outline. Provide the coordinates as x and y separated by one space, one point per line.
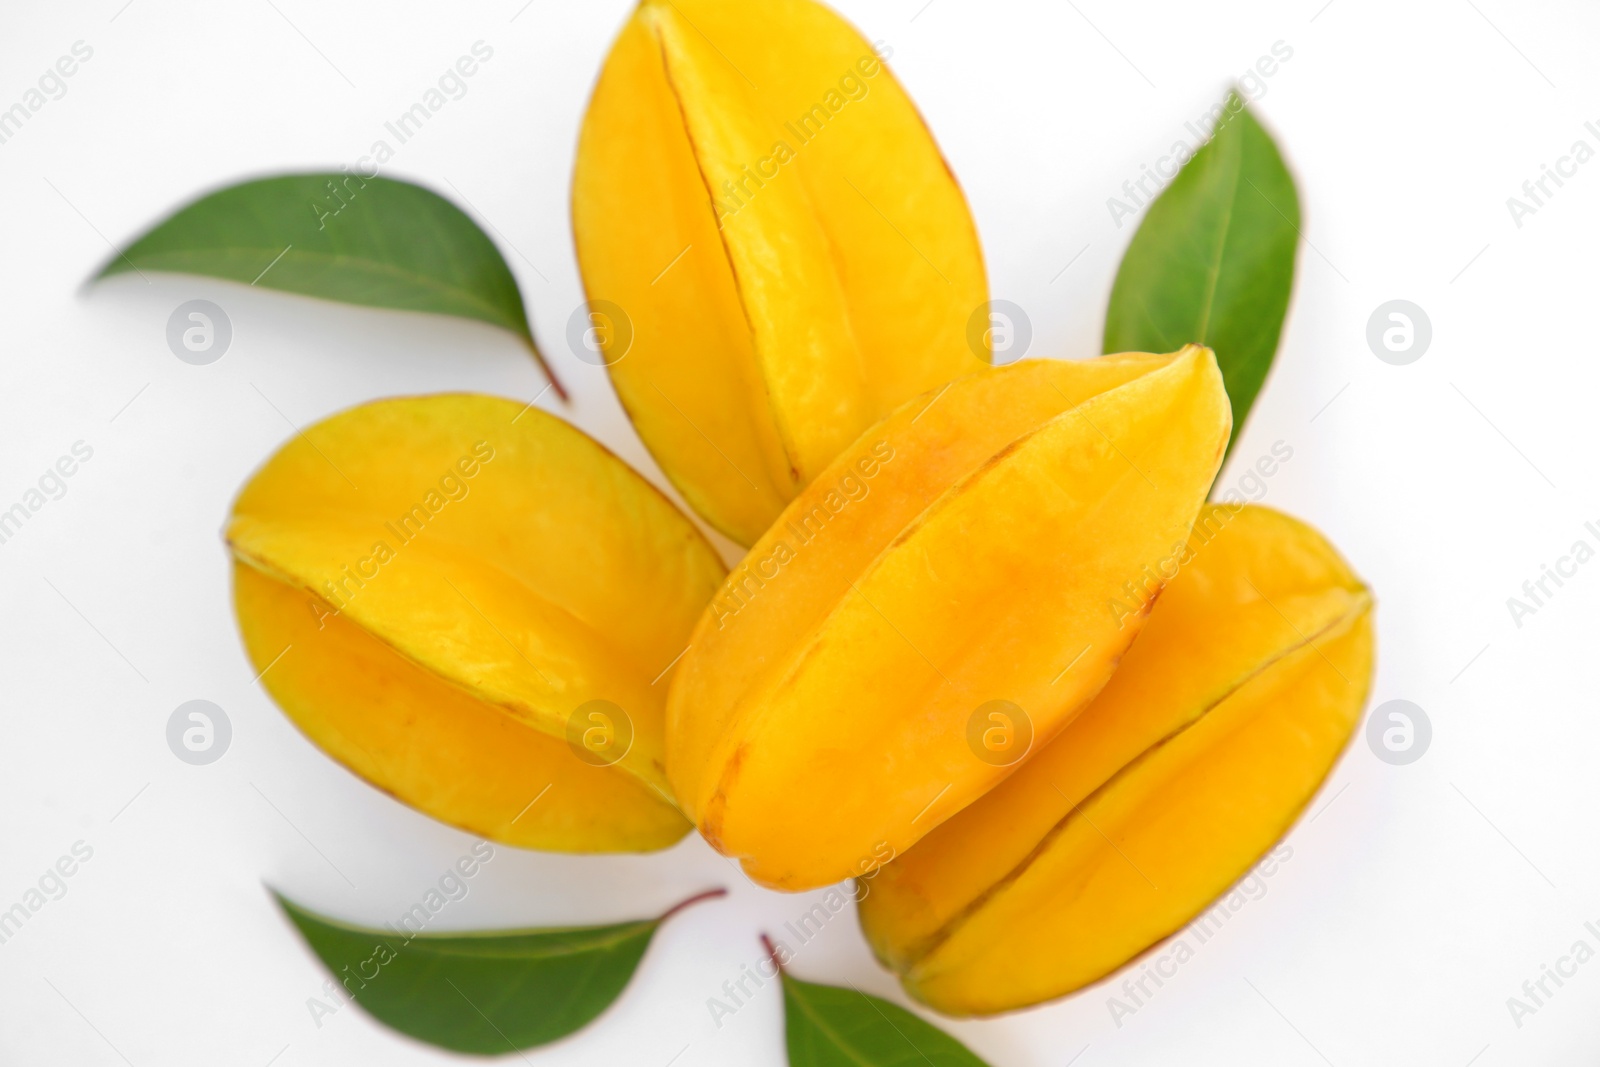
1415 904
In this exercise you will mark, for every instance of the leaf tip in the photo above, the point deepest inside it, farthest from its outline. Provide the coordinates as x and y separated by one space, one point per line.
104 271
291 911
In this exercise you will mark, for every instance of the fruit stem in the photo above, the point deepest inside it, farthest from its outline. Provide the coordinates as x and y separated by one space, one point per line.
709 894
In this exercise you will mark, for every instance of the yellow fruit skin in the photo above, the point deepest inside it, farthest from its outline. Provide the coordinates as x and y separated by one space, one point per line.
962 551
794 259
1221 723
434 586
433 745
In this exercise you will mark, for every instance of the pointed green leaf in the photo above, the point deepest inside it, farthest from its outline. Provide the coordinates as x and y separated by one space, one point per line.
372 241
1213 261
831 1027
486 992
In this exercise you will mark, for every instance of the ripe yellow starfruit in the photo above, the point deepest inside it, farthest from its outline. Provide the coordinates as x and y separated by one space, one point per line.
470 604
1222 721
959 553
775 252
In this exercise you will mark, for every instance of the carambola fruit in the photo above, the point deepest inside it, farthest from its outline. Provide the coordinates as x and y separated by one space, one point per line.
960 552
1218 727
775 252
469 603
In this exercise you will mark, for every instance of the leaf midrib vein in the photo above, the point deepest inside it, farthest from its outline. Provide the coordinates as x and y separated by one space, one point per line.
828 1031
1214 272
421 281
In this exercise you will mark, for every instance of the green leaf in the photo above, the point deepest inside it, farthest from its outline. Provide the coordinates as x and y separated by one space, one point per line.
372 241
1213 261
485 992
831 1027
